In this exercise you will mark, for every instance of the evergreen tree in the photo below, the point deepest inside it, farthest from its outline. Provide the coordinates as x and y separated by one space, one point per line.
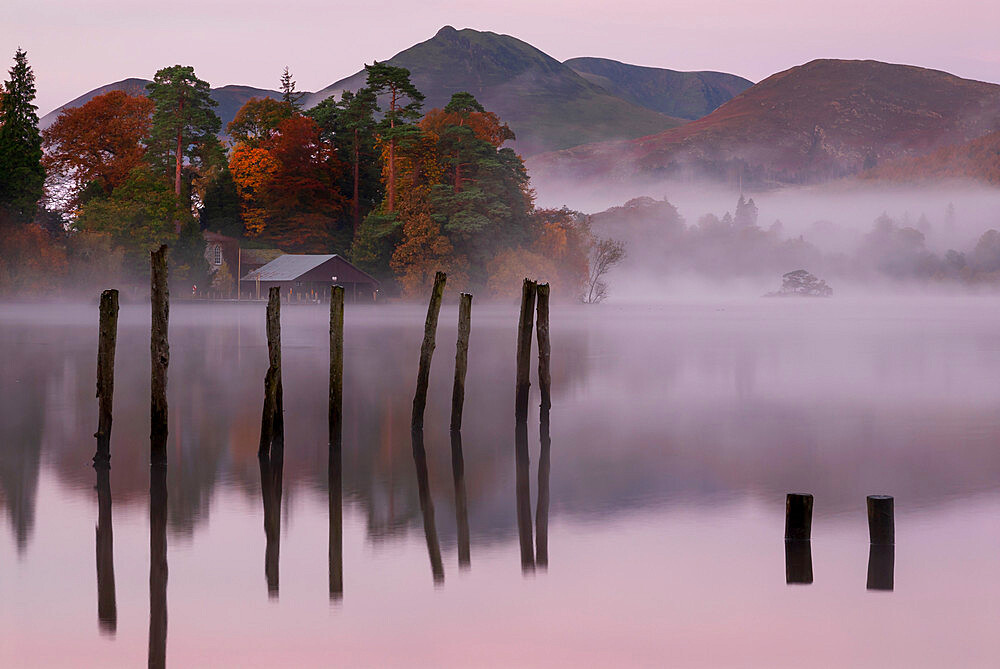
183 120
220 211
22 177
349 124
398 118
289 95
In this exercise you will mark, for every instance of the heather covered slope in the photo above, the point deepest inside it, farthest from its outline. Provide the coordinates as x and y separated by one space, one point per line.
688 95
822 120
978 160
546 103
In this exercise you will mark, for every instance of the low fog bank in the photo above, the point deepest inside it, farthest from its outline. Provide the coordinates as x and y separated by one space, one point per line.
692 240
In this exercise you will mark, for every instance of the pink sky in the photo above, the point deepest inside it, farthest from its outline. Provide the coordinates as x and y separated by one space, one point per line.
77 45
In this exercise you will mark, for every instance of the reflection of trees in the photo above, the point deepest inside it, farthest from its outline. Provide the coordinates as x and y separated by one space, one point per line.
678 413
24 383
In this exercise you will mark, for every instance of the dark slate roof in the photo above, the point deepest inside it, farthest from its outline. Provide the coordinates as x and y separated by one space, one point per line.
287 267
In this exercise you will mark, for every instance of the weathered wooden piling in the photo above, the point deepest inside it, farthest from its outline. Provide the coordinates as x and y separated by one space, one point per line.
271 421
426 351
544 347
798 516
524 327
461 502
336 412
881 527
798 562
881 566
158 566
461 359
107 338
107 608
159 351
427 507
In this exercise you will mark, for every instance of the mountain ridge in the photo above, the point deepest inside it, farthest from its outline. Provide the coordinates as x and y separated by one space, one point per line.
821 120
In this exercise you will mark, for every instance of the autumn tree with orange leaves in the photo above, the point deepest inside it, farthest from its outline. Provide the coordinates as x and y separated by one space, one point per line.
94 147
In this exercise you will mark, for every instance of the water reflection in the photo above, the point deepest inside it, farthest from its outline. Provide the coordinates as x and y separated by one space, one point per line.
523 496
335 482
271 466
881 566
542 505
798 562
158 565
107 609
461 503
427 506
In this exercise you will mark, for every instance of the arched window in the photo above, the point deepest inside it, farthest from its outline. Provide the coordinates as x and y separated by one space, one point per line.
217 255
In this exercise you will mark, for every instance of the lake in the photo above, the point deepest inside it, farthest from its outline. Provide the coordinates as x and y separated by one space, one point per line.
676 431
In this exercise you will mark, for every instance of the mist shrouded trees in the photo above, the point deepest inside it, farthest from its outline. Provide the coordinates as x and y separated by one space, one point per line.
22 176
401 193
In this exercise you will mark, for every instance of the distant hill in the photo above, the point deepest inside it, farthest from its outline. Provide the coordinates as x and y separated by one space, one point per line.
546 103
688 95
978 160
230 98
822 120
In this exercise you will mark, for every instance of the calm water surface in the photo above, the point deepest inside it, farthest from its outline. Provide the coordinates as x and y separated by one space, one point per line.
675 432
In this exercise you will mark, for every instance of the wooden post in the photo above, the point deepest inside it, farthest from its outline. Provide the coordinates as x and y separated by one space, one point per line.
881 527
336 412
461 359
426 351
881 566
106 373
461 503
271 421
107 609
798 562
524 326
159 351
798 516
544 347
427 506
158 565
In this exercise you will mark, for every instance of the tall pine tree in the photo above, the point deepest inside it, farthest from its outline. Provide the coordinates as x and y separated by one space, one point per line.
22 177
183 121
398 118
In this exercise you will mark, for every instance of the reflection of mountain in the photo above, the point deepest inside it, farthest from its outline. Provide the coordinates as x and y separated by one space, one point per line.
650 406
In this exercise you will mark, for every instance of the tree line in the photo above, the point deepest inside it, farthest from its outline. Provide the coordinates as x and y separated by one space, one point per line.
399 190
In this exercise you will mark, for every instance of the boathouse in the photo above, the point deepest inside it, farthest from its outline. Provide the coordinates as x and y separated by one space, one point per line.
307 278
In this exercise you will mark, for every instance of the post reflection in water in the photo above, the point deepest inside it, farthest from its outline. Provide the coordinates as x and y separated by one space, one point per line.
271 465
461 502
427 506
798 562
158 565
107 609
881 567
523 496
336 546
542 505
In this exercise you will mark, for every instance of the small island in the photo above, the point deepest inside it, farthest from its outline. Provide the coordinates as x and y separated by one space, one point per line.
801 283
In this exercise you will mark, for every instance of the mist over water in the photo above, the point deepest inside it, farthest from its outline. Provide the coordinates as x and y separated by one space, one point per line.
676 430
690 249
